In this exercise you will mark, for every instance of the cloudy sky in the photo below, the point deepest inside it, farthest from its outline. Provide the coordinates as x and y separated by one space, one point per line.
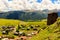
11 5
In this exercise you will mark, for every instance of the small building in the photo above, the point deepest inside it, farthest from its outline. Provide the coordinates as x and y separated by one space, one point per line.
52 18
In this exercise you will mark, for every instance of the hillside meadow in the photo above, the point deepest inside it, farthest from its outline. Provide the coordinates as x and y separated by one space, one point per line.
47 32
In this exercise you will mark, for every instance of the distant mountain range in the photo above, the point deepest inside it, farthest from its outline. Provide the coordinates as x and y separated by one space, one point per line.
25 15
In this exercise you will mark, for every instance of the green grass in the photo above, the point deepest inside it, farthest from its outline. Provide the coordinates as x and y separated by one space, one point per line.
46 34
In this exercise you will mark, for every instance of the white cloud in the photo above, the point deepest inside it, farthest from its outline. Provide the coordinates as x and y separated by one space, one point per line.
27 5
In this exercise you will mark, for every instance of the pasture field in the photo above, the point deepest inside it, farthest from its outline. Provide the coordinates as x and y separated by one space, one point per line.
51 32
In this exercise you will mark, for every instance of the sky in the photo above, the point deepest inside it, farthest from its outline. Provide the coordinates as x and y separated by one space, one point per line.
56 1
39 1
29 5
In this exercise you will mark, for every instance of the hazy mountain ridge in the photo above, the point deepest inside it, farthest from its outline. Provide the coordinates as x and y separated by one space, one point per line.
23 15
27 15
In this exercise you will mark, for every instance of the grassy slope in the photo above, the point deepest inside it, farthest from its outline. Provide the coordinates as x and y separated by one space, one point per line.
8 22
46 34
